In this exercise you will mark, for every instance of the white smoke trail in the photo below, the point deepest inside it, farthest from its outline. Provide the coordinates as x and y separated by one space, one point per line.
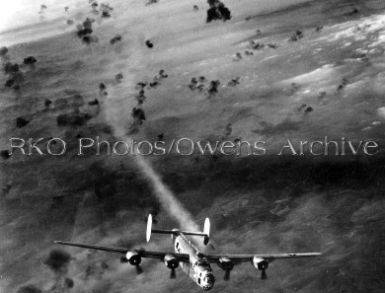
116 110
162 192
166 197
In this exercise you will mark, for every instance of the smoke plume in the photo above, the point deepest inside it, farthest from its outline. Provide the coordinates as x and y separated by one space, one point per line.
114 114
166 197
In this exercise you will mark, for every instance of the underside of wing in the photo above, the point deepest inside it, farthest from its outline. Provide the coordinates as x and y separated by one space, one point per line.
238 258
183 257
260 261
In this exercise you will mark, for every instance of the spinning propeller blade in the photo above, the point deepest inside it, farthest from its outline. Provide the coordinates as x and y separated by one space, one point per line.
227 276
172 274
139 269
263 275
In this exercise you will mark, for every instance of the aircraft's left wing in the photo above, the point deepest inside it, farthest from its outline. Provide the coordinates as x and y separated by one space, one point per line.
259 261
239 258
141 252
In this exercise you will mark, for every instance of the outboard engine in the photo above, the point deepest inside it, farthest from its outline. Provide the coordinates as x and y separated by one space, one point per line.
261 264
134 259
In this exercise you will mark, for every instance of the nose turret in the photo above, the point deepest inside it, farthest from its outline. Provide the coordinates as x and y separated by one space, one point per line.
207 281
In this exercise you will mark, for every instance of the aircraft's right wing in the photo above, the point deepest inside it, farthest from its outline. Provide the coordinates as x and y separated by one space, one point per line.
183 257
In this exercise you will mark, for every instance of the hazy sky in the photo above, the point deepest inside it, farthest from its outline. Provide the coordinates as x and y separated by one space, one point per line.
18 12
14 13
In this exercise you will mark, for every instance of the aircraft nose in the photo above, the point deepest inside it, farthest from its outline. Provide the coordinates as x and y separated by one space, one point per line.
208 281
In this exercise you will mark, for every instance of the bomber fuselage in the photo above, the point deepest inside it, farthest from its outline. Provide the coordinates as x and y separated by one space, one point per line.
198 268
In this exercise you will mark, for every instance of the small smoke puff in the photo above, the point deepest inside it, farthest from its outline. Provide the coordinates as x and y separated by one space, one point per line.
94 102
69 283
149 44
213 88
47 103
238 56
73 119
115 39
102 86
87 24
297 36
106 7
21 122
149 2
9 83
248 53
29 289
89 39
162 74
11 68
3 51
58 260
29 60
256 46
106 14
141 84
309 109
234 81
119 77
139 115
217 11
5 154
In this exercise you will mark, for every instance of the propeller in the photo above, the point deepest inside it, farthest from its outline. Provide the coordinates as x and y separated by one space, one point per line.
227 275
206 231
172 274
139 269
263 275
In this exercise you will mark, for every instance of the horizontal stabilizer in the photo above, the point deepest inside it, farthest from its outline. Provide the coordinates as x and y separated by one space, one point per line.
205 233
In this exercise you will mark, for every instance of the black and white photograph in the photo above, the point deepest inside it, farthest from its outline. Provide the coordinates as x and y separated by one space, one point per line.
164 146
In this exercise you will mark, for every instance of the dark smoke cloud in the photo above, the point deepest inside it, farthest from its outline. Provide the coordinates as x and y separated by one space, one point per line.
217 11
58 261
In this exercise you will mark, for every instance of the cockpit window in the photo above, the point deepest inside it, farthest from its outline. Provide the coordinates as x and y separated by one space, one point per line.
202 262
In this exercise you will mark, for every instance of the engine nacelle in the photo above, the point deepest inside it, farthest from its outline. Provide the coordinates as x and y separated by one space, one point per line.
225 264
171 261
260 263
132 257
